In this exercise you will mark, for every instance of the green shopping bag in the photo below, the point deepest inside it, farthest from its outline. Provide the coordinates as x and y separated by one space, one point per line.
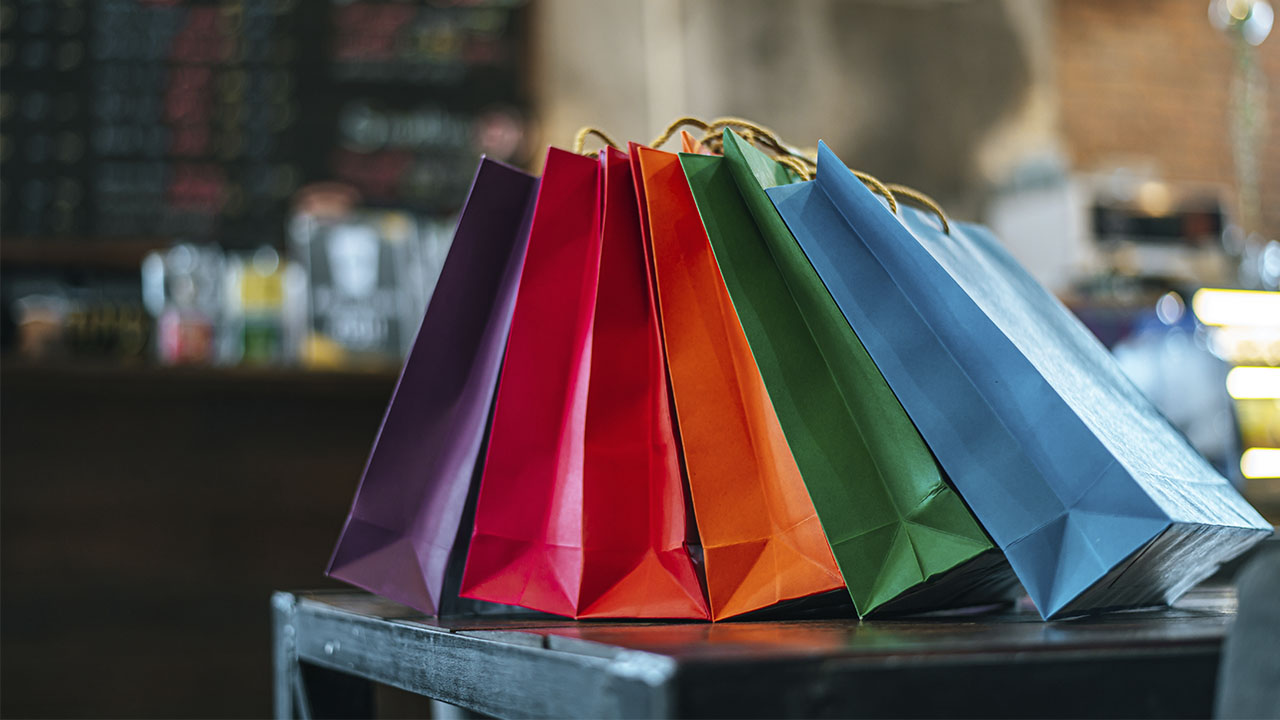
902 537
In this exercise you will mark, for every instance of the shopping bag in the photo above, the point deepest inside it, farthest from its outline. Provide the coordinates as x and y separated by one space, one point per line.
761 539
581 509
690 144
1093 496
901 536
405 520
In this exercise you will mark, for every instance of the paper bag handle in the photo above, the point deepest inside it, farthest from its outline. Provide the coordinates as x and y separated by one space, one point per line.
798 161
676 125
580 140
919 199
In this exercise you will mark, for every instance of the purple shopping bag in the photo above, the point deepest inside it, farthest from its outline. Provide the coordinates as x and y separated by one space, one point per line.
403 528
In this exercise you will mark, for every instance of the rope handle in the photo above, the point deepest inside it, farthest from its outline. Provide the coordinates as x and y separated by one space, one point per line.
878 188
894 193
802 163
580 140
806 167
919 199
752 132
676 125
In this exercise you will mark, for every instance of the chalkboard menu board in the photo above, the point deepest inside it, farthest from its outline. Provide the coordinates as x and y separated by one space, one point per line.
198 119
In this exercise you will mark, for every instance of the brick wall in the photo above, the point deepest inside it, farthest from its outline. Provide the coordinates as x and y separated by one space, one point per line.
1151 79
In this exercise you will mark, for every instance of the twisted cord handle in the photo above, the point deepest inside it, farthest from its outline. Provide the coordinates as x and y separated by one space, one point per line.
580 140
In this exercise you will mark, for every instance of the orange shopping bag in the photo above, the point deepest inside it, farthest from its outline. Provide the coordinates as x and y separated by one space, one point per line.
690 144
761 537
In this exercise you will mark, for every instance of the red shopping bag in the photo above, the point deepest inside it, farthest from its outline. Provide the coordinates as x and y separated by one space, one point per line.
581 510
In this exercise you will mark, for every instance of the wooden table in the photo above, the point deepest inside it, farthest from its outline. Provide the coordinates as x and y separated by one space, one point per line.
329 647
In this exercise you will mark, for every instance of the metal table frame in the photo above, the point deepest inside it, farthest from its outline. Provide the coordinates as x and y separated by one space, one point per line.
329 645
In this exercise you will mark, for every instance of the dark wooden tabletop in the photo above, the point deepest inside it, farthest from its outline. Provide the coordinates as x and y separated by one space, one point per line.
1001 662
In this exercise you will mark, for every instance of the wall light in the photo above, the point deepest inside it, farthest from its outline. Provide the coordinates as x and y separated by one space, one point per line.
1260 463
1237 307
1254 383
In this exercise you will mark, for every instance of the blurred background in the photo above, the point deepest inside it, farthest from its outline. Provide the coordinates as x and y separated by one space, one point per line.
221 220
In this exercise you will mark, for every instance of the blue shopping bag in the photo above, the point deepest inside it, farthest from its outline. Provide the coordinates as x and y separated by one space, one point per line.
1096 500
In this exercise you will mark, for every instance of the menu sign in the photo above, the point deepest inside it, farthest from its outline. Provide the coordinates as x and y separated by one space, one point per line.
200 118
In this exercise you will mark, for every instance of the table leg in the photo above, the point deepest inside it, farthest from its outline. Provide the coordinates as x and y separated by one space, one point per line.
285 672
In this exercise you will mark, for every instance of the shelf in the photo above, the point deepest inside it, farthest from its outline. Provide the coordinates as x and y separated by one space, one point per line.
68 377
124 253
